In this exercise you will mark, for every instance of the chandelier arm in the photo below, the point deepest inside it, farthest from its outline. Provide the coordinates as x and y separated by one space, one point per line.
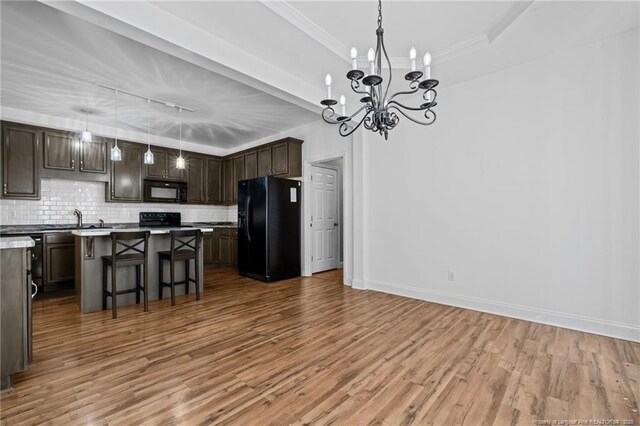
409 92
344 125
357 86
406 106
415 120
327 118
358 112
433 99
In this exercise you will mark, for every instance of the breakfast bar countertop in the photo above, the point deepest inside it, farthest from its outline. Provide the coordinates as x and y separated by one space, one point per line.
16 242
95 229
100 232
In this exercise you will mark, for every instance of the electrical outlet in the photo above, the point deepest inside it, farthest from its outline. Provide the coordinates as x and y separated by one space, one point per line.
452 275
13 213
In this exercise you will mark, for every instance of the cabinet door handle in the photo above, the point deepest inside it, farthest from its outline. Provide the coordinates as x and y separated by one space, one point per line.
35 287
4 188
73 164
81 165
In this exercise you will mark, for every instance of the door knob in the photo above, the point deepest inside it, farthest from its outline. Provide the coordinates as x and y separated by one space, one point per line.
335 223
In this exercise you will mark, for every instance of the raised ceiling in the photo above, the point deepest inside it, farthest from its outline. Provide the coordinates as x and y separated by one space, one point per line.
50 61
255 68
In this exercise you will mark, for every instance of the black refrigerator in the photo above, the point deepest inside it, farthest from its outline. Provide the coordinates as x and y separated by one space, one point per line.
269 228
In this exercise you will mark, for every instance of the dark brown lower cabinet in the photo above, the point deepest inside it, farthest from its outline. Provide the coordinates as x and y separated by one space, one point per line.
59 260
207 249
15 314
221 247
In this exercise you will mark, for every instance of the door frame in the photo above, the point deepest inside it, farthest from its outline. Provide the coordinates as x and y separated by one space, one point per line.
339 202
347 213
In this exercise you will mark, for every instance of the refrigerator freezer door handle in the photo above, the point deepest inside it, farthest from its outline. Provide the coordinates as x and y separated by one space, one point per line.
248 219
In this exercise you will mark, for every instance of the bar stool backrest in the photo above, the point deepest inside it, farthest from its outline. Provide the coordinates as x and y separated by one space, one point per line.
185 240
127 243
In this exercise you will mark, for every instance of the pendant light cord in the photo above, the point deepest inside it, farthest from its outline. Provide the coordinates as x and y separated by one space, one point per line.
379 13
149 125
116 123
180 109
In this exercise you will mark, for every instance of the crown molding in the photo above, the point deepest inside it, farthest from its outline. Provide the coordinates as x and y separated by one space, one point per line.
304 24
300 21
514 12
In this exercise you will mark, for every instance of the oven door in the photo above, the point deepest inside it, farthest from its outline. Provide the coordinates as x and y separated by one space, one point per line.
163 192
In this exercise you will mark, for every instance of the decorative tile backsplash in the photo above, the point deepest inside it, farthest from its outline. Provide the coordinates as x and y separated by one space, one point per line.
59 198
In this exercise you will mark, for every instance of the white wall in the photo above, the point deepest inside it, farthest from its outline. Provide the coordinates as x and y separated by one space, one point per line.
59 198
527 186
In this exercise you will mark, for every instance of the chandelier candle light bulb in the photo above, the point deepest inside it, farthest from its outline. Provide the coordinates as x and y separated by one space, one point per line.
427 65
371 56
381 111
412 57
354 58
327 81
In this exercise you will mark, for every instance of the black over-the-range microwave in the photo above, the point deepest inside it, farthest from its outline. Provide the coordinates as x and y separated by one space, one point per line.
157 191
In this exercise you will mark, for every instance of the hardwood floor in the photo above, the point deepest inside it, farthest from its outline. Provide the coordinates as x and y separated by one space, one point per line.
313 351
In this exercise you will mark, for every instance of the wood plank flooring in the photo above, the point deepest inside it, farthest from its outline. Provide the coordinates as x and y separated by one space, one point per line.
311 351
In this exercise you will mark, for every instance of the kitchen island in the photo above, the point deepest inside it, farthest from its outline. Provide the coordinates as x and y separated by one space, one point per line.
92 244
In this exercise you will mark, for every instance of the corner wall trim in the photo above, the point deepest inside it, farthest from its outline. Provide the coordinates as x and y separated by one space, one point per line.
559 319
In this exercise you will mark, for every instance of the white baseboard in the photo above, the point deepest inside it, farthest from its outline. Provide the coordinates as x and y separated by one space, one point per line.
359 284
560 319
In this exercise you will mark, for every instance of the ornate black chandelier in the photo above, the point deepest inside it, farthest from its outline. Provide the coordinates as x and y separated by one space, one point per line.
379 108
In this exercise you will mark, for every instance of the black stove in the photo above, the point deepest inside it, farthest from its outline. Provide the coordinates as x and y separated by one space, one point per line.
161 219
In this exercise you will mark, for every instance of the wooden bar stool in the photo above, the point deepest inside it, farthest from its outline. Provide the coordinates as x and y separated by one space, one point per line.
185 246
125 251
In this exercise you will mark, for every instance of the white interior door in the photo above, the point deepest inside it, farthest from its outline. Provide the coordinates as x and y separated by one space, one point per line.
324 219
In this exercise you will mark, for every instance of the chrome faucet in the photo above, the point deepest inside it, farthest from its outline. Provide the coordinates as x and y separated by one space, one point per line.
101 223
79 214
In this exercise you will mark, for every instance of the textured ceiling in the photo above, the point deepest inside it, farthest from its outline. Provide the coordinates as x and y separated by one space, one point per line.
50 61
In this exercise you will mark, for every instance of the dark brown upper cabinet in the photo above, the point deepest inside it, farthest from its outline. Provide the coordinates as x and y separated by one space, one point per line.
196 182
238 174
228 181
20 162
251 164
125 183
214 181
59 150
286 158
93 156
64 156
164 165
264 161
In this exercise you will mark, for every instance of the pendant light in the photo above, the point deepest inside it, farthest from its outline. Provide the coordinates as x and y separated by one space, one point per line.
116 154
180 160
86 135
148 156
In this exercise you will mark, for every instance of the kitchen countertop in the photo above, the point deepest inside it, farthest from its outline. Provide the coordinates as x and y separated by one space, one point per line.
16 242
100 232
16 230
